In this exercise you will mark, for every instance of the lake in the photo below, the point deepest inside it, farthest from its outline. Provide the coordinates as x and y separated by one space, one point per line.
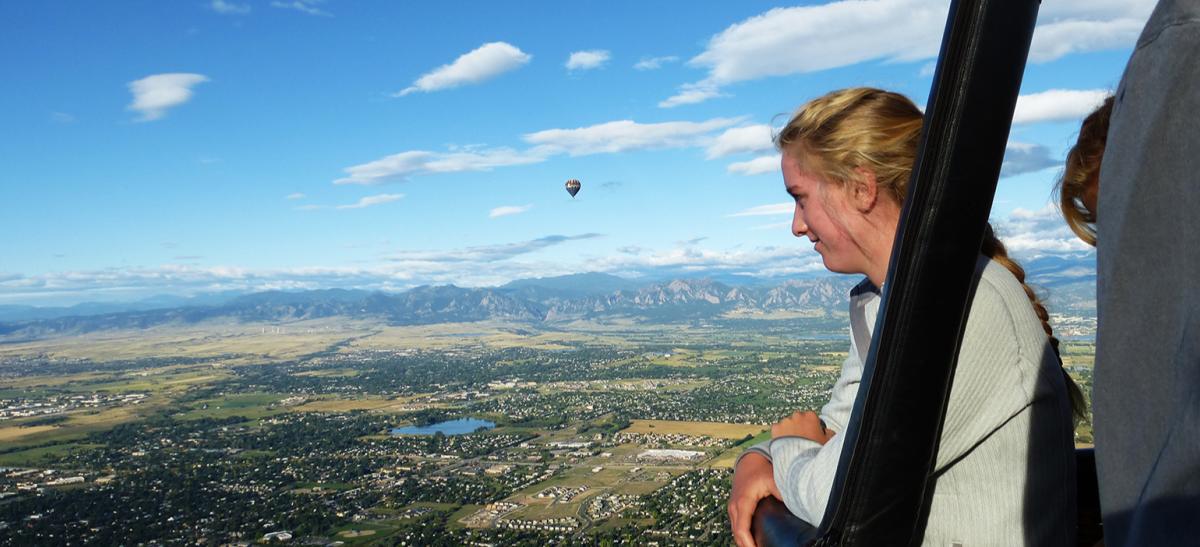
461 426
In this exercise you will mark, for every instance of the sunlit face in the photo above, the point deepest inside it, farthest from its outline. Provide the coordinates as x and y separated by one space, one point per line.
820 214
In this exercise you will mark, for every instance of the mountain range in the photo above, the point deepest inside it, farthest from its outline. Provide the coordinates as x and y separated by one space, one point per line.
553 300
1069 282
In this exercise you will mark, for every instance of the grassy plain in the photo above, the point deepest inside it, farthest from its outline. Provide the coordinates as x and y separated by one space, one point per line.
247 405
1076 353
169 379
726 459
79 425
35 456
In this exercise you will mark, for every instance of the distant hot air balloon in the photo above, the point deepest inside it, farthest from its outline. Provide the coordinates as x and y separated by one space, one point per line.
573 187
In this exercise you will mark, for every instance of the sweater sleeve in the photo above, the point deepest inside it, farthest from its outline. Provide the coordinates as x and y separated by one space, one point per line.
836 413
804 472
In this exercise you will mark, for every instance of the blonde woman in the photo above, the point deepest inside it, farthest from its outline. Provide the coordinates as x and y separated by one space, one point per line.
1004 477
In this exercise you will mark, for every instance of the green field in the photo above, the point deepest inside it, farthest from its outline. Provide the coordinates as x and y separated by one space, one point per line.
251 406
34 457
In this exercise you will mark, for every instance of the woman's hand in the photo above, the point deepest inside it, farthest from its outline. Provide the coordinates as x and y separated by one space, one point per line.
802 424
753 480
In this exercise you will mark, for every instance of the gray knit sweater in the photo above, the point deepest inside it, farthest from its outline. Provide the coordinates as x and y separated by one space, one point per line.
1005 466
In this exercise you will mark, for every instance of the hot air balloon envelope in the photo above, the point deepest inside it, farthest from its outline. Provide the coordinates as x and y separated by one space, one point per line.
573 187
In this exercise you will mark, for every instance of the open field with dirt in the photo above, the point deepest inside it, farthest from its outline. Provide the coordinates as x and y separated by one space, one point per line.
483 333
78 425
230 342
370 404
16 433
719 430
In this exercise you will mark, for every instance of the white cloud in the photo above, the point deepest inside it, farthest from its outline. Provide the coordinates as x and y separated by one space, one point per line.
797 40
692 94
229 8
1094 9
655 63
1022 157
506 210
750 138
757 166
804 39
398 167
154 94
623 135
769 261
1026 233
766 210
309 207
296 195
810 38
1057 105
61 117
483 63
303 6
487 265
484 254
1054 40
1037 232
1078 26
609 137
369 201
587 60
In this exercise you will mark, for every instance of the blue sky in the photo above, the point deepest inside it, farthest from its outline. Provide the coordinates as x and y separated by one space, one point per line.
183 147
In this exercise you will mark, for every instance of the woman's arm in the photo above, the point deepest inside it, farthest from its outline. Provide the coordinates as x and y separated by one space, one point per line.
753 480
804 471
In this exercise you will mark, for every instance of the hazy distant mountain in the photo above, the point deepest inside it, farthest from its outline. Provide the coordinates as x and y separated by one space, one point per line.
574 285
1055 270
162 301
543 300
1066 283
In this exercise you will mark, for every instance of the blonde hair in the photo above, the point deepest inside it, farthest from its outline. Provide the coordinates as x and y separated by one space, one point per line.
1083 170
865 128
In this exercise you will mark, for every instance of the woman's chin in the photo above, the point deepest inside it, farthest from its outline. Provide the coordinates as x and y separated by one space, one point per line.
836 267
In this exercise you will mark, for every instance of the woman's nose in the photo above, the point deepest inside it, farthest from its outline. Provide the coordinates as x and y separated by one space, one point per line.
799 228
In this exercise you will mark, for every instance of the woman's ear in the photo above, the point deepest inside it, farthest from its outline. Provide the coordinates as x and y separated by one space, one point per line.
864 191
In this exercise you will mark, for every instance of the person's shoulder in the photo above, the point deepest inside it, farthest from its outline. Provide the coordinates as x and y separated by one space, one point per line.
1182 15
996 276
998 287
